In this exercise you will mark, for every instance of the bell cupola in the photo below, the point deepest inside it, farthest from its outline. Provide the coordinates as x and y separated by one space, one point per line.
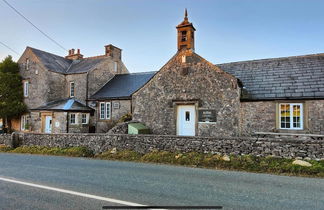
186 31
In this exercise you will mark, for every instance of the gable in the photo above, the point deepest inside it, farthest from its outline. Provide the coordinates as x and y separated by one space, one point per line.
195 70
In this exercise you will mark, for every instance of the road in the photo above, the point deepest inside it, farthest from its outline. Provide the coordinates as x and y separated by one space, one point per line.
69 183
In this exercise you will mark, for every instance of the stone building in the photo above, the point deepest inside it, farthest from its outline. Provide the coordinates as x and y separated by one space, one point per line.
191 96
113 100
187 96
57 89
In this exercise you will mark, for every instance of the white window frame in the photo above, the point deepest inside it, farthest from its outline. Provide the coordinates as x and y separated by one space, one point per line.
72 92
108 110
86 118
102 113
106 113
26 88
75 118
291 105
23 122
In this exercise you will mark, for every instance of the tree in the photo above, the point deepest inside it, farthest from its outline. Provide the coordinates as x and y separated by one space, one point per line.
11 91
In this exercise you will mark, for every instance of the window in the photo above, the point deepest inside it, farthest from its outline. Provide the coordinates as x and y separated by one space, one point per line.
84 119
72 86
27 63
24 122
187 116
72 119
26 87
105 110
102 110
291 116
108 110
183 36
115 66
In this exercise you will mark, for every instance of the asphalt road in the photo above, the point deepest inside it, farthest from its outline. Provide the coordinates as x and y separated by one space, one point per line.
146 184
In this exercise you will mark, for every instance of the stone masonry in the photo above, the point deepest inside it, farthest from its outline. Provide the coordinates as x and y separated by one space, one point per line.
288 148
194 81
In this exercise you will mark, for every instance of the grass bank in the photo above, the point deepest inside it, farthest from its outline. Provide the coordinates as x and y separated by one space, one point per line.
247 163
70 151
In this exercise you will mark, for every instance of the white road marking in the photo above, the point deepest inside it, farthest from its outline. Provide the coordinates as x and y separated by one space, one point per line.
72 192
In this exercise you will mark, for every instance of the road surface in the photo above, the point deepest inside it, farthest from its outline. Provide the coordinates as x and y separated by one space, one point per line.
47 182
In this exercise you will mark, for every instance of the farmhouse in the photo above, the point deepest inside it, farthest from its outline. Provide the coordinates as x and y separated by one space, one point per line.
187 96
191 96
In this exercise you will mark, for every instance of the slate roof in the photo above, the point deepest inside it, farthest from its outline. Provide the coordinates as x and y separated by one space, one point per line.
122 85
65 66
297 77
69 104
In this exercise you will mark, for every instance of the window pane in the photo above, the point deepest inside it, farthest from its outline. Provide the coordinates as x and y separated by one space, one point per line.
72 120
108 111
102 111
84 118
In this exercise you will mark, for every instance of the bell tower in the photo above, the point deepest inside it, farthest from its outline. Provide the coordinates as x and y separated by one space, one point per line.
186 31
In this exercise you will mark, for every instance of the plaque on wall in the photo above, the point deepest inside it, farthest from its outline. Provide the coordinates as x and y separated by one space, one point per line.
207 115
116 105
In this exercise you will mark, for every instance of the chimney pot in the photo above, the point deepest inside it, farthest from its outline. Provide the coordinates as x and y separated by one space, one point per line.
78 51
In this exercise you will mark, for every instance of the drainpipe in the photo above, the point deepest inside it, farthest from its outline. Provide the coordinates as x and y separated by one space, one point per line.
87 86
67 122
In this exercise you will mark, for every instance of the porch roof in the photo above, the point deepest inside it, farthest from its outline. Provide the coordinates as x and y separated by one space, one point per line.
69 104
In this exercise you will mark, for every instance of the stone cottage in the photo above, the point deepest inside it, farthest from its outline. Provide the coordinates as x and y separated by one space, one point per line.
187 96
57 89
191 96
116 95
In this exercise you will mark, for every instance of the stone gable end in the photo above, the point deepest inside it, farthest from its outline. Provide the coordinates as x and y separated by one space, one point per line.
189 79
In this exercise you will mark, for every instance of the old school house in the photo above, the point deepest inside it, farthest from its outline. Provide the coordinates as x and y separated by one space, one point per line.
187 96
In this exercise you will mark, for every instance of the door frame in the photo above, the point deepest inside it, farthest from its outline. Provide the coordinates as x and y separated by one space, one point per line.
43 120
186 103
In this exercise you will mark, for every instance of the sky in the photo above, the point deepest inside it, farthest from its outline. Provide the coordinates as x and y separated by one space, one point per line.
226 30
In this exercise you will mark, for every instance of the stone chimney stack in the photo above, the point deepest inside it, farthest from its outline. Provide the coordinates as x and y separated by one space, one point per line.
112 51
74 56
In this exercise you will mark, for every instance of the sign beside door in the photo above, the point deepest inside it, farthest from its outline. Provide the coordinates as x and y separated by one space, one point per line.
186 120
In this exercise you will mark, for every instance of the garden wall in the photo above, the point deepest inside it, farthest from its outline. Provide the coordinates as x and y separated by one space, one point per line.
288 148
6 139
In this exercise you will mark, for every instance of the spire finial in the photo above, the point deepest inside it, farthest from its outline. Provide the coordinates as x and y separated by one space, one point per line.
186 14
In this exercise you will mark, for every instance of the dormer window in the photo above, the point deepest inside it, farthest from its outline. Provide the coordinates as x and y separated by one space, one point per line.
183 36
72 86
27 64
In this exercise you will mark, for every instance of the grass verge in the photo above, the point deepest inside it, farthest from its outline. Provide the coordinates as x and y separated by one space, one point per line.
273 165
248 163
70 151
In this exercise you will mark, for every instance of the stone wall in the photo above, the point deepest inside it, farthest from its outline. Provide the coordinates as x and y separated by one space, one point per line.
189 79
103 126
316 116
261 116
257 117
288 148
5 139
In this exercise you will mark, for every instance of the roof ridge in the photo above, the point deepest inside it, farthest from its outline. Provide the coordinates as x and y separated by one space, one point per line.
144 72
32 48
272 59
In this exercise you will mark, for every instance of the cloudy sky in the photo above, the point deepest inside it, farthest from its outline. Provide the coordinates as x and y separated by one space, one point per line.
227 30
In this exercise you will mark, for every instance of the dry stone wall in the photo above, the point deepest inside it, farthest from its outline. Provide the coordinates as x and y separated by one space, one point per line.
288 148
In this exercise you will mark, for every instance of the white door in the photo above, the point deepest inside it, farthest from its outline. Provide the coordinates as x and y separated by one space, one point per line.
48 124
186 120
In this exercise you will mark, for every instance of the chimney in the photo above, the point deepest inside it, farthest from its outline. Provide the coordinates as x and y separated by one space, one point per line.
112 51
74 56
